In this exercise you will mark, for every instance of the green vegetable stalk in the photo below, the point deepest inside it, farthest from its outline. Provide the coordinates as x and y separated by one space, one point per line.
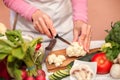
113 38
112 49
31 67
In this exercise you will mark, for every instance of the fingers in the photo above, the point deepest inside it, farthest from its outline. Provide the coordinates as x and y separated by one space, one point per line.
44 27
38 27
83 34
75 35
49 24
43 24
85 37
88 38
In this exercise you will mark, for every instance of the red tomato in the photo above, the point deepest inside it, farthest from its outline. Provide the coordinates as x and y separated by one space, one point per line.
41 72
38 46
103 64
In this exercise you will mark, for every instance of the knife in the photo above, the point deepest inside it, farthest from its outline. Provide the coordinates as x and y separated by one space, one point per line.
62 39
48 49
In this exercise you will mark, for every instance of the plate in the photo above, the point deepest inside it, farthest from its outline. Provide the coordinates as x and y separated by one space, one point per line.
91 65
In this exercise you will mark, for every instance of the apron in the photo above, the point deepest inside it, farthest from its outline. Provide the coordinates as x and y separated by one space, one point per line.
60 12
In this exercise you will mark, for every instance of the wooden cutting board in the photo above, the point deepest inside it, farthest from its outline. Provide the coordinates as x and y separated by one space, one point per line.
52 67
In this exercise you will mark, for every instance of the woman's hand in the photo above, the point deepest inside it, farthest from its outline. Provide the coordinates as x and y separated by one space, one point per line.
82 34
43 23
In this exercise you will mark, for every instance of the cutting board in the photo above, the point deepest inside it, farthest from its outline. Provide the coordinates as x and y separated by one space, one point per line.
52 67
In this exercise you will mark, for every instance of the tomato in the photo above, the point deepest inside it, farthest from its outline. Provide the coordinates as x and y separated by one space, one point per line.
38 46
103 64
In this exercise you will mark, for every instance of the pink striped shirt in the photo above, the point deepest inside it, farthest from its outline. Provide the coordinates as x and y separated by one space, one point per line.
26 10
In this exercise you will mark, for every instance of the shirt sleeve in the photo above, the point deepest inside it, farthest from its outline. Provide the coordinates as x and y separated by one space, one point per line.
80 10
21 7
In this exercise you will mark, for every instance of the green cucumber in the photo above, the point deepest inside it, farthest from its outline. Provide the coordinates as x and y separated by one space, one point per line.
65 72
52 77
58 75
61 73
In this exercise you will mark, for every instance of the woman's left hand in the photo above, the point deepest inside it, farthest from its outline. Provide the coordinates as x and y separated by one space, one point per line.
82 34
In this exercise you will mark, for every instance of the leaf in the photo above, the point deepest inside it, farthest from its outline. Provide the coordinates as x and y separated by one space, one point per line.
18 52
10 58
5 48
14 71
35 41
14 36
17 73
10 68
6 43
2 56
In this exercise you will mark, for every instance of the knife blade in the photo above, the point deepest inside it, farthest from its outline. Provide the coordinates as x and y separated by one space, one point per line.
48 49
62 39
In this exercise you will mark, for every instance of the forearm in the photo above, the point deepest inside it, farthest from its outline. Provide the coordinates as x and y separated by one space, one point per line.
21 7
80 10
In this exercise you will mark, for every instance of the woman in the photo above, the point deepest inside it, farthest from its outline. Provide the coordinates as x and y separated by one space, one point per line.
63 17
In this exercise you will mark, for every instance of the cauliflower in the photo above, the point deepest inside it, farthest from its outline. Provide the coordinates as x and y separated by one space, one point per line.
61 57
3 29
75 50
51 58
57 60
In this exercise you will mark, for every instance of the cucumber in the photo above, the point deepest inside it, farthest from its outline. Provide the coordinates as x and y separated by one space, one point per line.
52 77
58 75
64 72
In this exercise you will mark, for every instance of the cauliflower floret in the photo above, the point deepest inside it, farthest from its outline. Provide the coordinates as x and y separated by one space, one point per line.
3 29
51 58
75 50
57 60
61 57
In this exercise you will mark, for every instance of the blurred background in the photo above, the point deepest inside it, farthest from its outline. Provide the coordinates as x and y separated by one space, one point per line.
100 15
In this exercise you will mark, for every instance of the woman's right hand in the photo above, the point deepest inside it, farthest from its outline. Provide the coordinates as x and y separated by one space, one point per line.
43 23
